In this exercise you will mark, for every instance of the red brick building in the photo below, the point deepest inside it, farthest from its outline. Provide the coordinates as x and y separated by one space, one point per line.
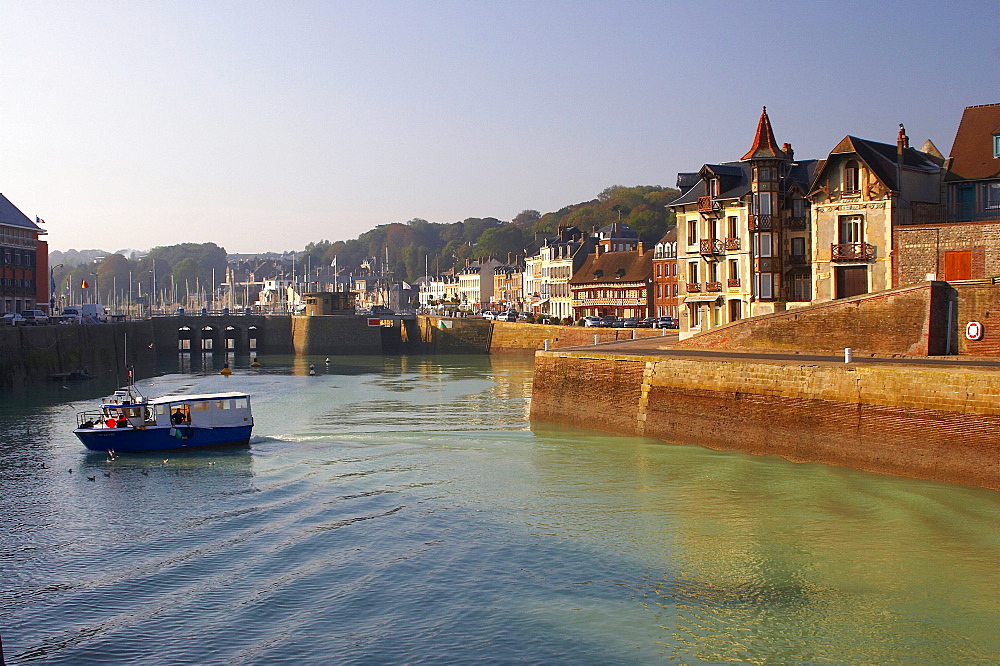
665 299
24 261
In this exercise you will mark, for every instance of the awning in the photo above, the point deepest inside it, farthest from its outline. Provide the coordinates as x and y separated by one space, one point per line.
702 298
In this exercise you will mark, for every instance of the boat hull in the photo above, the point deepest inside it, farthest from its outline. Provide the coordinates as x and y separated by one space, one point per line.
161 438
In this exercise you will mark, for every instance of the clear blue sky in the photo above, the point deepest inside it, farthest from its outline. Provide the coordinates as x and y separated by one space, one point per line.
268 125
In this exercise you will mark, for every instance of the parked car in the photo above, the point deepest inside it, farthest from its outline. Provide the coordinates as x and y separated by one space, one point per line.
510 315
523 316
607 321
648 322
591 321
34 317
665 322
489 314
630 322
13 319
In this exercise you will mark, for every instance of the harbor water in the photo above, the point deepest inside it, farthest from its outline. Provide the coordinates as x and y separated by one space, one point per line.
404 510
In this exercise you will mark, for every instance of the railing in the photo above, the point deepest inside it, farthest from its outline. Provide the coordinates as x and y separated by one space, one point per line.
693 287
795 223
760 222
972 211
850 194
733 282
852 252
713 286
711 246
705 205
796 260
732 243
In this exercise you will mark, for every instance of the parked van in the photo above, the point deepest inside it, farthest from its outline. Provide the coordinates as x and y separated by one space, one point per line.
88 313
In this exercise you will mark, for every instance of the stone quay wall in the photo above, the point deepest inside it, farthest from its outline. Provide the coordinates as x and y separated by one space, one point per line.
334 335
924 422
910 320
37 353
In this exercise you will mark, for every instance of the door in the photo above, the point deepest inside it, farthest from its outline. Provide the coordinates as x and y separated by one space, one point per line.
851 281
958 265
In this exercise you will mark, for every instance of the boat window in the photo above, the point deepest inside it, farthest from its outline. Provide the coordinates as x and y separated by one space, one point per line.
223 404
240 403
200 406
161 409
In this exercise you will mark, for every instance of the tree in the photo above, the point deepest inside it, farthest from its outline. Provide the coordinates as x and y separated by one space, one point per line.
500 241
526 218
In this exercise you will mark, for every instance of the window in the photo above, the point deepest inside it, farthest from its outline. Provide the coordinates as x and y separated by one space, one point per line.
799 247
764 286
801 287
852 177
762 203
762 245
850 229
693 272
996 145
734 230
713 187
713 272
692 232
992 196
734 269
798 207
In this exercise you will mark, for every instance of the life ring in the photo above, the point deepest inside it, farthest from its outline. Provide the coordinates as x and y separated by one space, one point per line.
149 414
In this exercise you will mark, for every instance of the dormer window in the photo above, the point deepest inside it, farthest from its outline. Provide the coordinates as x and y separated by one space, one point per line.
996 145
852 177
713 188
598 273
620 272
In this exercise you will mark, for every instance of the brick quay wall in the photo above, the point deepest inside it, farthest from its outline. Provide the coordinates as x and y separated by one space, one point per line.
925 422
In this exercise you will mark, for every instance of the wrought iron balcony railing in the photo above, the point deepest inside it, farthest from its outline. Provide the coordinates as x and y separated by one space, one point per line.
852 252
732 243
760 222
693 287
795 223
733 282
713 286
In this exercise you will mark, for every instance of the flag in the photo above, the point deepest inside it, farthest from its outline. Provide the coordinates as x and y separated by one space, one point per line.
84 285
39 220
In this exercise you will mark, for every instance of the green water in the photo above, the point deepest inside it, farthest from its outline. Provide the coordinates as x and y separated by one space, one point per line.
405 511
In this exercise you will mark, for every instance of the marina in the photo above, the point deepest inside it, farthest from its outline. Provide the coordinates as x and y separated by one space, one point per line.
404 509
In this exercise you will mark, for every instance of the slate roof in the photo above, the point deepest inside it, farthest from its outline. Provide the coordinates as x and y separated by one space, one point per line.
972 152
617 230
881 159
11 216
615 267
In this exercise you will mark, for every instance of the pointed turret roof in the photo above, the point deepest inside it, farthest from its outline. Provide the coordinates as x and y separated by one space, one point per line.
764 145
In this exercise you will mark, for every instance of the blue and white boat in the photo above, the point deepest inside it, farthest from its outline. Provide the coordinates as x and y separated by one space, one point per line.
129 422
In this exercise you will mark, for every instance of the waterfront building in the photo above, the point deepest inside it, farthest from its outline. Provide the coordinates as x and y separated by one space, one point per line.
862 193
743 232
548 272
508 287
618 284
961 244
665 288
24 262
475 283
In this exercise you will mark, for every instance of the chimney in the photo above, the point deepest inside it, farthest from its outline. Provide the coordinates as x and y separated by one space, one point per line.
599 249
641 249
787 149
902 141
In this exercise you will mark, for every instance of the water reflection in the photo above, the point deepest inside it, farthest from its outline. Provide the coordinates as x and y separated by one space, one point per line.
402 510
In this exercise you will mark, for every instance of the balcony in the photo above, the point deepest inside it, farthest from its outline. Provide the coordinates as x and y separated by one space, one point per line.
852 252
713 286
693 288
973 211
732 244
760 222
795 223
705 205
711 246
733 282
796 260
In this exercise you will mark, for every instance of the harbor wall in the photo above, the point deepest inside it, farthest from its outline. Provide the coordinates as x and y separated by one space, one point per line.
940 424
334 335
39 353
911 320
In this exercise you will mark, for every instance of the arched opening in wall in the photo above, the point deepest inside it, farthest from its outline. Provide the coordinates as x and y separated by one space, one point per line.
184 339
207 339
231 337
252 337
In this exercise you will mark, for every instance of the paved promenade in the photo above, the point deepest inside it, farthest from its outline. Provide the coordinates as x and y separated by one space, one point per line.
663 346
